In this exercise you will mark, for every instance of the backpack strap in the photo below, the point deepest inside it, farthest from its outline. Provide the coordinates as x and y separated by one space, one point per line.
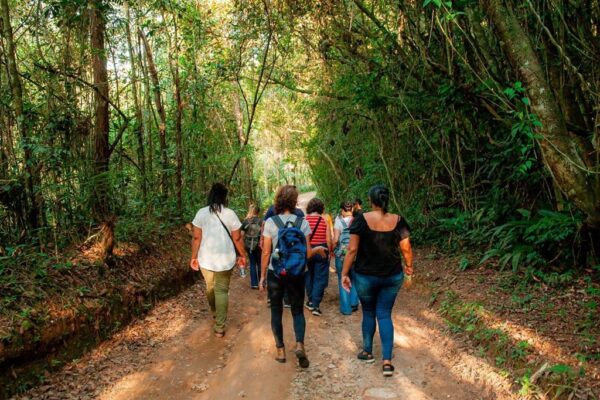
315 230
278 221
298 223
344 224
237 253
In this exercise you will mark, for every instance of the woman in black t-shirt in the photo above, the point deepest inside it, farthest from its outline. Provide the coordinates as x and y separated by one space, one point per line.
378 240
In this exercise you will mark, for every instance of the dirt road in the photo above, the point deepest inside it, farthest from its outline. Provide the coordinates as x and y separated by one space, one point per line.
171 354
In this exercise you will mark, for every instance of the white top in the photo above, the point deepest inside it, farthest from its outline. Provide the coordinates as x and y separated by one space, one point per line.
338 224
270 230
217 252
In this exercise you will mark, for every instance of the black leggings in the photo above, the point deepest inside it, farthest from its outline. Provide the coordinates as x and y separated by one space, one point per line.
294 287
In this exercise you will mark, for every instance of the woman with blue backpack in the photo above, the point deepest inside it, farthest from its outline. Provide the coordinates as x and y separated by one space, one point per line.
378 242
286 249
341 239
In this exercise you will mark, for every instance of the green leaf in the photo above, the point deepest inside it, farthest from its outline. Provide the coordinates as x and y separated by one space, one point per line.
561 369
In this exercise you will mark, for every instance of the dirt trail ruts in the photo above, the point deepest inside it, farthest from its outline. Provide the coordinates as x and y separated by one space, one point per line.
171 353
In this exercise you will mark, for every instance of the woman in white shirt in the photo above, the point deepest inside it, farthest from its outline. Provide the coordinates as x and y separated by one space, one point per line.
215 239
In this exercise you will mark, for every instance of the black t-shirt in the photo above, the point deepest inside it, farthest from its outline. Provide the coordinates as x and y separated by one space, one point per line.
379 252
357 212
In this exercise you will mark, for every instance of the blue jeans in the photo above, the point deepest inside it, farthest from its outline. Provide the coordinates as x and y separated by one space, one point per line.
347 300
317 279
377 295
294 287
254 257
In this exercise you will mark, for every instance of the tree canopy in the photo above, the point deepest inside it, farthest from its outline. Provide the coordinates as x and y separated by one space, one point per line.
481 116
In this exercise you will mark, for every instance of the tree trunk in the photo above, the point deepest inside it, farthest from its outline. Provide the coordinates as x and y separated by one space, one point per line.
162 126
101 147
247 183
139 120
568 159
31 176
174 64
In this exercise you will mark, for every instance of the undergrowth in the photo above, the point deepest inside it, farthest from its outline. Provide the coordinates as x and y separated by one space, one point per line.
517 360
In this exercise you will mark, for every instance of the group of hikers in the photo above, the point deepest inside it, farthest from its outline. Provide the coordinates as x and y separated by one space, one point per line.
289 255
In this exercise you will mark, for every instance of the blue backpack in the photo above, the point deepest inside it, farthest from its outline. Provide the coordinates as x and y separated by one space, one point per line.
289 257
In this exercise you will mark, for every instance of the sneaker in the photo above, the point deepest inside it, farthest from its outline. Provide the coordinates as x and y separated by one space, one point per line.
317 312
309 306
285 305
354 308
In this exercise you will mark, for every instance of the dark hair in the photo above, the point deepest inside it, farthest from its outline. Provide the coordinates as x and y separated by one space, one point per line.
357 201
315 205
286 198
346 205
380 197
217 197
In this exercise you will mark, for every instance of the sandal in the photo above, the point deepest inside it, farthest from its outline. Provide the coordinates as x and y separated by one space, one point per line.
365 356
280 355
302 359
220 334
388 370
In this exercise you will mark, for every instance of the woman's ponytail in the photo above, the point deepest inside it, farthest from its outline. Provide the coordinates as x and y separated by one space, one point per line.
380 197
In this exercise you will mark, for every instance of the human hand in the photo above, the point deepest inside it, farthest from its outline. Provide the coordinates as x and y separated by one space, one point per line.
241 261
408 282
408 270
346 283
262 284
194 264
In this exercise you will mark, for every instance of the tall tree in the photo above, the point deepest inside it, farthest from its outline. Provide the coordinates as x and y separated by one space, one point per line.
570 160
100 200
174 65
162 125
31 176
139 119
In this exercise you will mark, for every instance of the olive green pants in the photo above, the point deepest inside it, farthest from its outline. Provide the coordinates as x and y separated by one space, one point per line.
217 292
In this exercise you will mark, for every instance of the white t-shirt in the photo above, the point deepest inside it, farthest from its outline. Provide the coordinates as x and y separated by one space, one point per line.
217 252
270 230
338 223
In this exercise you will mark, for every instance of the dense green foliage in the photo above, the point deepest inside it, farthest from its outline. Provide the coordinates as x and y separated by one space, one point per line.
427 98
481 116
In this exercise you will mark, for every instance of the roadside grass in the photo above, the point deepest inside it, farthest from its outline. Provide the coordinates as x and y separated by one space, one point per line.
532 375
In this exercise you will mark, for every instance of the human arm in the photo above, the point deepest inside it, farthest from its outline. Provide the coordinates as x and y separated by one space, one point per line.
329 238
267 244
310 251
336 237
407 253
239 245
196 240
351 252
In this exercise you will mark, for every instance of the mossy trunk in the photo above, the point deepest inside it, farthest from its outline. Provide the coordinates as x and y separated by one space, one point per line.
569 159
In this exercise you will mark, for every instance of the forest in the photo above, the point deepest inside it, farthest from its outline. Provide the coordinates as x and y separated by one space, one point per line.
481 116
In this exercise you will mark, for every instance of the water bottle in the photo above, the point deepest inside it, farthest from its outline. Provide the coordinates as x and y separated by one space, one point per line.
243 272
275 255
